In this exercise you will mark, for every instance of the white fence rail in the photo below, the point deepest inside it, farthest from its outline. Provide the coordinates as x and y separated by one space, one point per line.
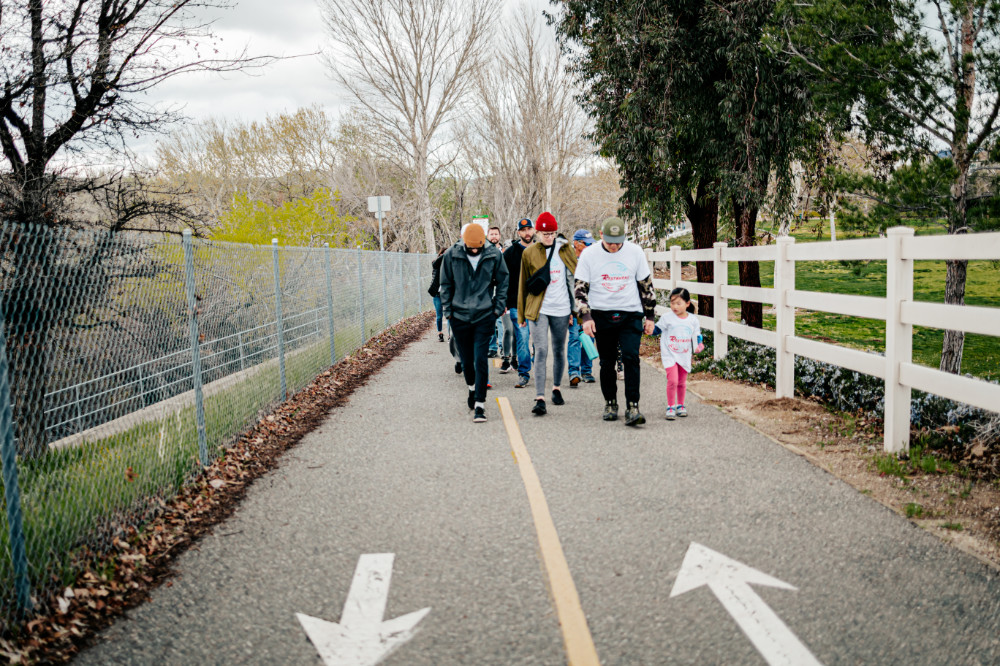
899 249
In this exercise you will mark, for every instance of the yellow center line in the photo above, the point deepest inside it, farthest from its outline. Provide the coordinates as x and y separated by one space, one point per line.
580 650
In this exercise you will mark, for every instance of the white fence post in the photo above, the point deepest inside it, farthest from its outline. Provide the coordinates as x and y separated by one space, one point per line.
652 273
720 306
784 283
675 266
898 340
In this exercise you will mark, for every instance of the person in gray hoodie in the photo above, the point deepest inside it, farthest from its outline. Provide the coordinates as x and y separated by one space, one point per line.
473 294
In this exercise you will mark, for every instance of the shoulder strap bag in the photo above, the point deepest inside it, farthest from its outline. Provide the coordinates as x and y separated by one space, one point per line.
538 281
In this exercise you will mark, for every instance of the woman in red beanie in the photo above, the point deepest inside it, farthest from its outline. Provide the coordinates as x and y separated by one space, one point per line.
545 303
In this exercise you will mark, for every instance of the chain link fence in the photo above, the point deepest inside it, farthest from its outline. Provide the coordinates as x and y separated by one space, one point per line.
132 359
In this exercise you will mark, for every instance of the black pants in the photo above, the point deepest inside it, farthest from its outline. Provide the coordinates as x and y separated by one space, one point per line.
473 341
614 329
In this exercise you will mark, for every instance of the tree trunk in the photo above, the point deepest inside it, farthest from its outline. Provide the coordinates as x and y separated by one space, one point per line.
751 313
703 212
424 202
954 294
965 89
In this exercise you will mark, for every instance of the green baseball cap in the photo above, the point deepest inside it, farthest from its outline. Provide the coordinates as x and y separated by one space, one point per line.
613 230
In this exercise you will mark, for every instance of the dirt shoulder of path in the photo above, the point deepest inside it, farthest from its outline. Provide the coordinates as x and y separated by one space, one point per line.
961 511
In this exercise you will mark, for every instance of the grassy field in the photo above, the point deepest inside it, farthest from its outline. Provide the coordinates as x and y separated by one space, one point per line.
981 355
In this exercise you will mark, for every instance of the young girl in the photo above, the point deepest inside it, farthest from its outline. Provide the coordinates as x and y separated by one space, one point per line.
680 339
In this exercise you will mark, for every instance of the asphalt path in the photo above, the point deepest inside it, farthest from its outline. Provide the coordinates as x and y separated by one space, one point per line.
402 469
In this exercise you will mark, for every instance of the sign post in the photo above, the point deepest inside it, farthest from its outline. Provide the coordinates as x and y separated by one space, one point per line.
379 206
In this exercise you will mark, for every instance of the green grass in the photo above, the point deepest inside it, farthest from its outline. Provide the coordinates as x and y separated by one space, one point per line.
914 510
981 353
85 494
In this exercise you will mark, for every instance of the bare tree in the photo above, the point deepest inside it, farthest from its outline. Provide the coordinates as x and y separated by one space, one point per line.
409 63
525 133
73 76
284 157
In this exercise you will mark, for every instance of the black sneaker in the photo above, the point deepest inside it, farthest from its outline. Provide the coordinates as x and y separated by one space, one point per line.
610 410
479 416
522 381
472 399
505 366
633 416
557 398
440 337
458 367
493 353
588 379
574 381
539 408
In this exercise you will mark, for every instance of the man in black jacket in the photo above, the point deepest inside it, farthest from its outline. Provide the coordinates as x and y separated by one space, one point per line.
512 257
473 294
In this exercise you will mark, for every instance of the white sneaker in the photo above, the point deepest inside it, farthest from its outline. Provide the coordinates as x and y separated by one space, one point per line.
671 414
681 411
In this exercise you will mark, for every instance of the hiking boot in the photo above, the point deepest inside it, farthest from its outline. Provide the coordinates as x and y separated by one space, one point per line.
557 398
522 381
479 416
573 381
671 413
440 337
610 410
505 366
588 378
633 416
539 408
472 399
681 411
458 367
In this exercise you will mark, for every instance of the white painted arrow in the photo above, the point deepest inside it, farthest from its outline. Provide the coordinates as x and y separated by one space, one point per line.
362 638
730 581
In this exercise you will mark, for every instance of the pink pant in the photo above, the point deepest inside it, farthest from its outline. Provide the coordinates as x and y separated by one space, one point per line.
677 380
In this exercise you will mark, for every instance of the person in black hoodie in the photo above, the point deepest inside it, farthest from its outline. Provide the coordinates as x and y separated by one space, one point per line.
433 291
473 294
521 356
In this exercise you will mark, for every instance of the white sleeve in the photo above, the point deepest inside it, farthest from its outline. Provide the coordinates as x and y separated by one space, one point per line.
582 268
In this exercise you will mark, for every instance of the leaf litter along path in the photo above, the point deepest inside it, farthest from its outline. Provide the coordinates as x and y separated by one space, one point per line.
962 512
111 583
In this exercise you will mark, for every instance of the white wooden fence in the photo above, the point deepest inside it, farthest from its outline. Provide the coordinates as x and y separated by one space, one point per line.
899 248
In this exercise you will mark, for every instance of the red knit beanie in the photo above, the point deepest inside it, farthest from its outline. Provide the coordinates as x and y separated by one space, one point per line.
546 222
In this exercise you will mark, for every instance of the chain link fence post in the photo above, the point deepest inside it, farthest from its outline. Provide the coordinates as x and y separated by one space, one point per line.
199 399
402 290
12 491
420 284
361 296
385 290
329 301
280 322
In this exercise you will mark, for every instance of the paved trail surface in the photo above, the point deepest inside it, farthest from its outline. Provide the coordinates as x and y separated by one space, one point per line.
402 469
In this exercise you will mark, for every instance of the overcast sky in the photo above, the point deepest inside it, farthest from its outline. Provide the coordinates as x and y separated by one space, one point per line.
266 27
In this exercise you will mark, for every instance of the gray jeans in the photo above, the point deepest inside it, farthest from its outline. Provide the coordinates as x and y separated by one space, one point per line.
540 331
508 336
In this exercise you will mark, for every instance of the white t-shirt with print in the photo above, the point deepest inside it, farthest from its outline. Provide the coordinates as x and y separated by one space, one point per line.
612 276
678 338
556 302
